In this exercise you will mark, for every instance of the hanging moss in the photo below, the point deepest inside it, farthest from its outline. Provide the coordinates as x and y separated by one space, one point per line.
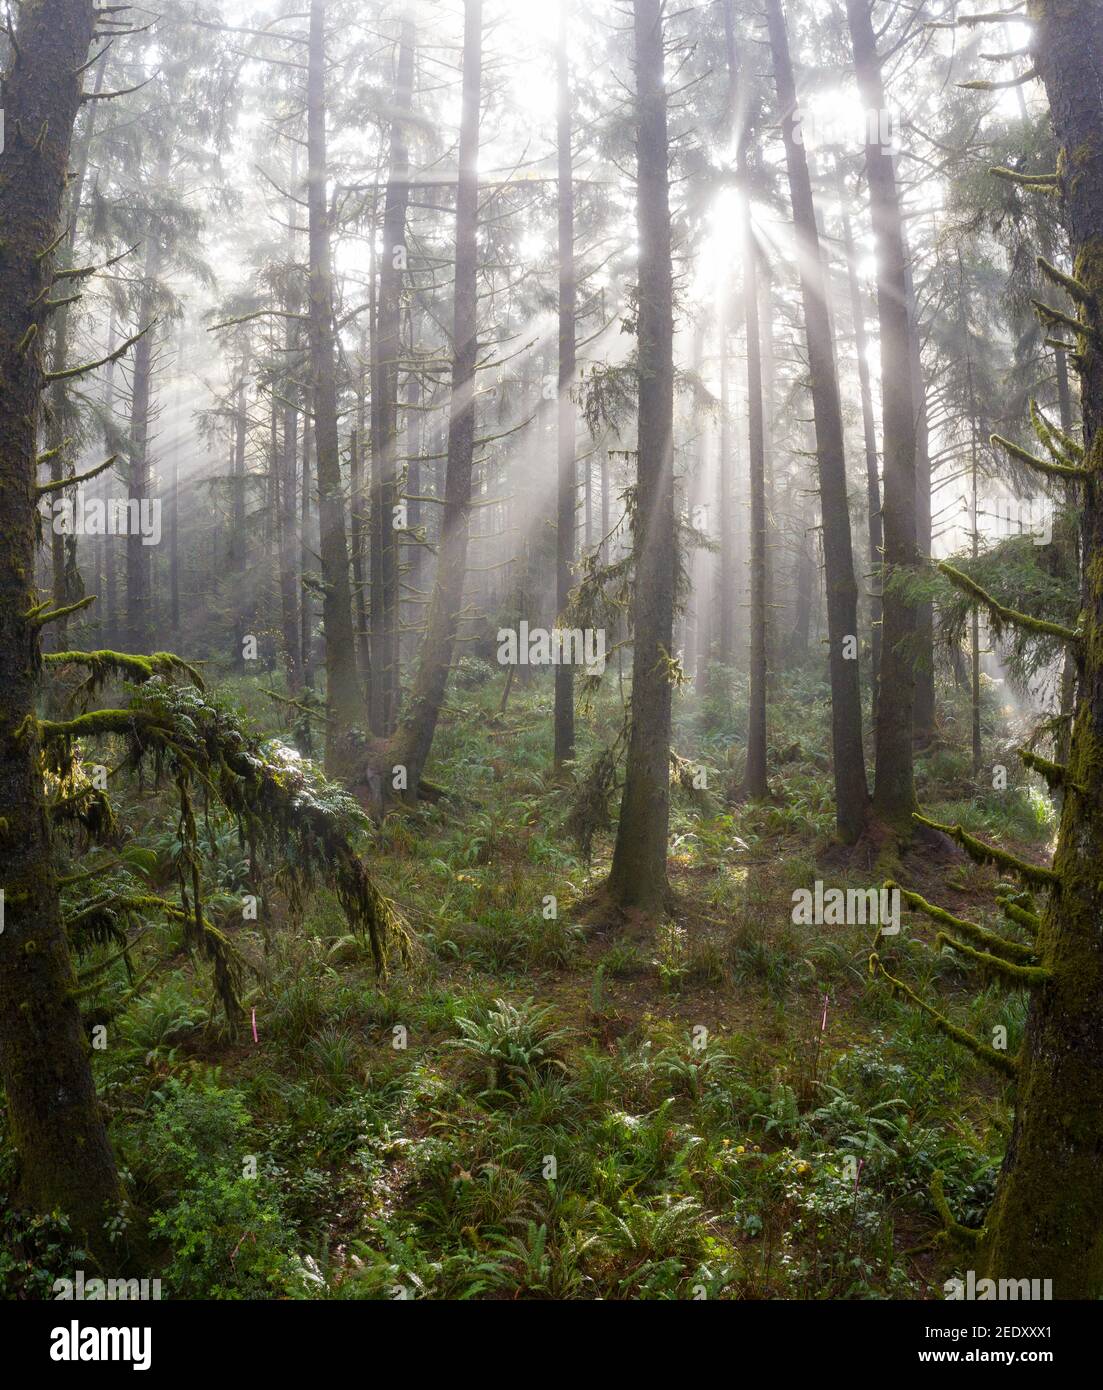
285 809
989 854
999 1060
1024 975
105 665
997 945
1056 774
1002 616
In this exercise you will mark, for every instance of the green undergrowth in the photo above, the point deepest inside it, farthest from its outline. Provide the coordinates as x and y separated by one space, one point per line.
539 1106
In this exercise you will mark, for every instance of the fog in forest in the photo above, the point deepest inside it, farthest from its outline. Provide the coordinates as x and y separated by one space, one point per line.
550 617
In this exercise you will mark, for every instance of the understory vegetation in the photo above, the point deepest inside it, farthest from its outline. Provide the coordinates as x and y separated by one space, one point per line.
725 1105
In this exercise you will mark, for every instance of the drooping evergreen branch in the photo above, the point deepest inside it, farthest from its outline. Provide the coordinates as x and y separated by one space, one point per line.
39 616
103 665
1021 915
1004 615
1043 183
1051 318
989 854
281 803
68 373
1023 975
999 1060
59 484
1074 288
984 84
1056 774
1062 446
998 945
1069 471
76 272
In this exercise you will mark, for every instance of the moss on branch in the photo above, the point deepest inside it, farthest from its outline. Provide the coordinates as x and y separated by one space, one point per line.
989 854
1001 615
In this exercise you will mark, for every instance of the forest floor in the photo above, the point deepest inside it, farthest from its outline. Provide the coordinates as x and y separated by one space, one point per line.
543 1105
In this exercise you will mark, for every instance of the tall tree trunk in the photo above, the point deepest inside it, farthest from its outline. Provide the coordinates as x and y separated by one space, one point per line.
725 471
894 791
289 598
57 1127
413 739
1047 1218
237 548
60 413
358 515
565 415
386 348
754 777
924 714
869 438
306 558
851 788
139 562
343 700
110 555
639 877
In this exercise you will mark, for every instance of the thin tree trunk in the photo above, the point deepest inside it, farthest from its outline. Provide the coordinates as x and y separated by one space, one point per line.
289 599
565 415
726 597
238 555
924 716
110 542
754 778
638 877
306 559
139 576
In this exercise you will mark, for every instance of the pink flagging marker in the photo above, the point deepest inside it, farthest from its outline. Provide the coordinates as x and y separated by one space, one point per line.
858 1175
823 1021
255 1025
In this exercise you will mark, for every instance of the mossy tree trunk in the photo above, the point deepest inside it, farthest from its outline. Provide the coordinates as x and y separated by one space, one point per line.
1047 1218
638 877
56 1123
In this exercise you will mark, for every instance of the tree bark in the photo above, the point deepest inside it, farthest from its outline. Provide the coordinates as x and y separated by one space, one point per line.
343 700
1047 1218
413 739
386 349
894 791
57 1126
851 788
638 877
565 415
754 777
869 438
